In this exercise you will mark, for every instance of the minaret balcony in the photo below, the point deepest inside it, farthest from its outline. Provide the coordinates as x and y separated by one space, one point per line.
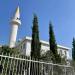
16 21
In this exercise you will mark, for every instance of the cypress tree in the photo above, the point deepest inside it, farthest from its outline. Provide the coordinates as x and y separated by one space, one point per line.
35 43
53 45
73 49
73 54
35 47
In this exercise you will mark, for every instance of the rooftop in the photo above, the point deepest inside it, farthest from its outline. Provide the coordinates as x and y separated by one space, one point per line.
43 42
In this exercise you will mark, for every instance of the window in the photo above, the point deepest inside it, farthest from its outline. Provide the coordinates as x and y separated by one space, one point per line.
21 46
60 52
24 46
65 53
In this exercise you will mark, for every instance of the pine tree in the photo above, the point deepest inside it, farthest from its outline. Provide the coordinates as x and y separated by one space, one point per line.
35 43
73 49
53 45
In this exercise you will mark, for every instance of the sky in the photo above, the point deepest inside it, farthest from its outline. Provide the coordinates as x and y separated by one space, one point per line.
60 12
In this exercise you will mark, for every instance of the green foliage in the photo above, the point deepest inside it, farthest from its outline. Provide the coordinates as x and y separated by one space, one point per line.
72 62
6 49
35 43
5 63
73 53
73 49
57 70
35 46
47 56
52 41
53 45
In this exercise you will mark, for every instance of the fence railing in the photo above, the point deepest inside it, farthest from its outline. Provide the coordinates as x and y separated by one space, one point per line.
22 65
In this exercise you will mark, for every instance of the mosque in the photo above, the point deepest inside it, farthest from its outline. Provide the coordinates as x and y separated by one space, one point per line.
24 45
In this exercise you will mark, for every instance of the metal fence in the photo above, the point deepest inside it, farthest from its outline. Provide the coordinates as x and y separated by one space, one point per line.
22 65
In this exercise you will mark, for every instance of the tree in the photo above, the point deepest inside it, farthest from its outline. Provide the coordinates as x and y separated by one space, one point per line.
4 61
35 43
6 50
47 56
73 49
35 47
72 63
73 53
53 45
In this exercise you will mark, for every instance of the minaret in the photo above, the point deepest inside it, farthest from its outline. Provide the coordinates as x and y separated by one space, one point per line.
14 28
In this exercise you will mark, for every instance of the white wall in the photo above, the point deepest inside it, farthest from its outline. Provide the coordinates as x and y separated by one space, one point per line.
44 48
28 48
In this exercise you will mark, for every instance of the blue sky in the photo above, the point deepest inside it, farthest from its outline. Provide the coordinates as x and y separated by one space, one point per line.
60 12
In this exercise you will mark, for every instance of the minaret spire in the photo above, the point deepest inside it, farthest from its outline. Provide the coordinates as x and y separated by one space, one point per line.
16 18
14 28
17 13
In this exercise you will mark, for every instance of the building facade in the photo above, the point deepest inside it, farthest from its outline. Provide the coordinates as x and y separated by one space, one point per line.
24 46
